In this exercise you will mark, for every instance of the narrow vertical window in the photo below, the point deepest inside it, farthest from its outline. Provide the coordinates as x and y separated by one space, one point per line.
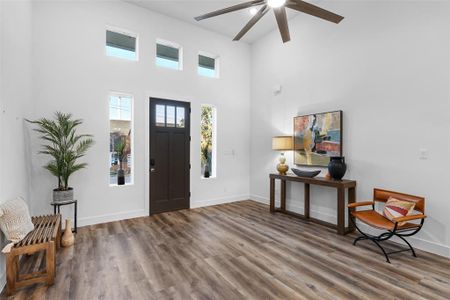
120 139
121 45
208 65
208 141
168 55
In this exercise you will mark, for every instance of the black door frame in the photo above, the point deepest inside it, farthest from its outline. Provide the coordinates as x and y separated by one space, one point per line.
187 128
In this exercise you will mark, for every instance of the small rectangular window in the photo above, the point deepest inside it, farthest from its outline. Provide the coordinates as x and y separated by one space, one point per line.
121 45
120 139
208 65
168 55
208 141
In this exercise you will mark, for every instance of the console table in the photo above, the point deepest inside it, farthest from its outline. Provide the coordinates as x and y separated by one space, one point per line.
339 185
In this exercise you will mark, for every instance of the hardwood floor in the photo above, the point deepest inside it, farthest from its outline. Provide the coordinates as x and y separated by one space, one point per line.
234 251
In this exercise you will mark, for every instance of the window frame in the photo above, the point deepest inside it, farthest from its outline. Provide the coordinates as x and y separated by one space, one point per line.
132 152
216 64
172 45
214 173
127 33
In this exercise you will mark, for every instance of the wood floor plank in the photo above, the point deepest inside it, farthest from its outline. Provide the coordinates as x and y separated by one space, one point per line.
234 251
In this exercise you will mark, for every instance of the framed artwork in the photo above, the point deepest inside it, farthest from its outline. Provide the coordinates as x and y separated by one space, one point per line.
317 137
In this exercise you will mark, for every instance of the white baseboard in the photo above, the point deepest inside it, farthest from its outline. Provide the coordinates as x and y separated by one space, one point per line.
112 217
429 246
209 202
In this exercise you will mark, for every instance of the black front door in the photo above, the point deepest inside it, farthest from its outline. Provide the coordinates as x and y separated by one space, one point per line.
169 155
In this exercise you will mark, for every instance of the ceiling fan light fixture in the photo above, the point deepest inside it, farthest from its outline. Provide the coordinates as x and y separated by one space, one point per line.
276 3
253 11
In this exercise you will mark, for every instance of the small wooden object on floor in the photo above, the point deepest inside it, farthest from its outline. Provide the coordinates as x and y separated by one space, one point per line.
45 237
339 185
68 239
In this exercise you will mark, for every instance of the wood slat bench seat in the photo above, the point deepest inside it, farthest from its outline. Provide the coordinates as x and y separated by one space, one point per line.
46 237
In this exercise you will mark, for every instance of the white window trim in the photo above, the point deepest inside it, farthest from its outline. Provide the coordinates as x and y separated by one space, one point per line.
125 32
214 142
173 45
122 94
216 64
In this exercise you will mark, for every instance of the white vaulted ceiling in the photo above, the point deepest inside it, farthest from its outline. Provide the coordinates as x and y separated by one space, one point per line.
228 24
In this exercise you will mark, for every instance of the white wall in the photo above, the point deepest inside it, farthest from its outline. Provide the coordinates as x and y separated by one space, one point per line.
15 102
72 74
387 66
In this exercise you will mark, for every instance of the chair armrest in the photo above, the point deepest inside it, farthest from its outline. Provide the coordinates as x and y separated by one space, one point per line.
356 204
409 218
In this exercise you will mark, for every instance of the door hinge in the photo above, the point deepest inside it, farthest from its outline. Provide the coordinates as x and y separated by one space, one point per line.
189 166
190 110
190 138
189 194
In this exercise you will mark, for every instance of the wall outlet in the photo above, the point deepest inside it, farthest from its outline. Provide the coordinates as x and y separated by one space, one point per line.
423 153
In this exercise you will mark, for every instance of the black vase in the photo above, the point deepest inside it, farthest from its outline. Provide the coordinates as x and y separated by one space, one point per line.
120 177
337 167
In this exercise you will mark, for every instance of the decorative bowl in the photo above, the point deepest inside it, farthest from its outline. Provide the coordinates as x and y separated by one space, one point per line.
303 173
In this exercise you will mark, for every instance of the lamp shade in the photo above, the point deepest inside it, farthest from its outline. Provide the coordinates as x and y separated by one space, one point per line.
281 143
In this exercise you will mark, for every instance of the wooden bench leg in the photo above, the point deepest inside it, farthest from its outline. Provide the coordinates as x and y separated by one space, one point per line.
11 272
50 262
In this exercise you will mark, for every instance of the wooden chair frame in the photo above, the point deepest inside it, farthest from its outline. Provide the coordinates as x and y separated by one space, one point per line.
45 237
382 196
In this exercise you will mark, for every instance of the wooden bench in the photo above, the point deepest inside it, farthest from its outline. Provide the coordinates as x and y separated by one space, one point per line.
45 237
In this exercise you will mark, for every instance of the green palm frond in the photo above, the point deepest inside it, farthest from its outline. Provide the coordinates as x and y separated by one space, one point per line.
63 144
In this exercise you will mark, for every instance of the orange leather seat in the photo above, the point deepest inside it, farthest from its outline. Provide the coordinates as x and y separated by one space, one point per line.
374 219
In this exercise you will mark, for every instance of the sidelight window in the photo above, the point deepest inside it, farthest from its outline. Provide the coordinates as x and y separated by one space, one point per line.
208 141
120 139
121 45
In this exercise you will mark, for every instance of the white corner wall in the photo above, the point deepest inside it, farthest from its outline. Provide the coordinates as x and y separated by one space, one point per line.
73 74
387 66
15 103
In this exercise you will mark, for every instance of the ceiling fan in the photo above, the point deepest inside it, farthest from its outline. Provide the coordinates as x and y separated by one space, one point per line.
279 8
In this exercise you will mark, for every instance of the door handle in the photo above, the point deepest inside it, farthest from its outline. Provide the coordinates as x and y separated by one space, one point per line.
152 170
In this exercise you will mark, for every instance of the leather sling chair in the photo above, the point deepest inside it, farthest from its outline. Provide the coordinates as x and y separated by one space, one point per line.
392 228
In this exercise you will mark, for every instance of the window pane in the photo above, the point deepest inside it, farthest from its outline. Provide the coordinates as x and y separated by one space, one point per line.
160 115
120 138
167 56
180 117
206 72
207 144
170 116
206 62
120 45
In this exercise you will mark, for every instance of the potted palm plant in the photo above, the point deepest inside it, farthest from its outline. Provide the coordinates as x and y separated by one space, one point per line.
120 150
65 147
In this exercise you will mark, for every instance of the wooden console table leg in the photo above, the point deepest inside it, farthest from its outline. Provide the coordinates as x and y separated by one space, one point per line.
341 211
307 194
351 199
283 195
272 195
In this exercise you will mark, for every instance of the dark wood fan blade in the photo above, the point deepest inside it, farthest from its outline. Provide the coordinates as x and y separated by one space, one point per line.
229 9
252 22
280 15
313 10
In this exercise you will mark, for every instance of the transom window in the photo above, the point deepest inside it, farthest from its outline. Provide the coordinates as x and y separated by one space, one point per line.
168 55
208 65
121 45
170 116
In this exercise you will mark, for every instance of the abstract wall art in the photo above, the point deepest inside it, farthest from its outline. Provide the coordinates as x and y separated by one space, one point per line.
317 137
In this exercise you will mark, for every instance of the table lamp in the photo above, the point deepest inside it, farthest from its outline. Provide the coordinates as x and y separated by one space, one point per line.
282 143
